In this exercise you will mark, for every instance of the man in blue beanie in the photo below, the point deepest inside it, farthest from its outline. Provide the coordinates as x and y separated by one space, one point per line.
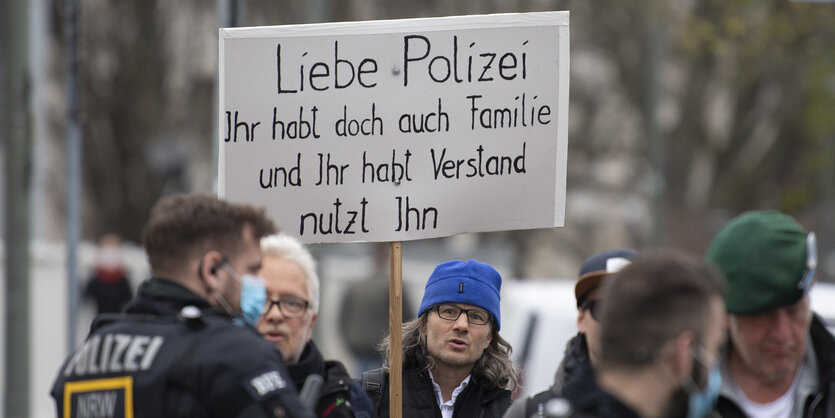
780 359
455 363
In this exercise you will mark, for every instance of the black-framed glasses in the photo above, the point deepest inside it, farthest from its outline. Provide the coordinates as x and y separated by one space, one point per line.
452 313
289 306
593 306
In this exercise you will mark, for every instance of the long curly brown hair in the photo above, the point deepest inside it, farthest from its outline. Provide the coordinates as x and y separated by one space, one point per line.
495 368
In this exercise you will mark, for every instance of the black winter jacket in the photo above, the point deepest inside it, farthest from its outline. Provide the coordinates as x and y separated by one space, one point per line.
419 400
820 404
336 399
173 355
574 365
590 401
575 384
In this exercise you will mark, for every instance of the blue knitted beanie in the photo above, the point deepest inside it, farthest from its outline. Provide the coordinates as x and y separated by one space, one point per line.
471 282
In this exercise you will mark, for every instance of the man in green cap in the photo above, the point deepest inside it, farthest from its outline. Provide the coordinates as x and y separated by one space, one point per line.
780 359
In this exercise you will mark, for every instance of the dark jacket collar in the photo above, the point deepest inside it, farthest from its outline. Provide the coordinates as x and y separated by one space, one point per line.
159 296
588 399
310 362
575 363
824 345
415 361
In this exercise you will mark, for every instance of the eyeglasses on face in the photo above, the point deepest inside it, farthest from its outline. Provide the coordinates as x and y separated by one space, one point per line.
290 307
452 313
593 306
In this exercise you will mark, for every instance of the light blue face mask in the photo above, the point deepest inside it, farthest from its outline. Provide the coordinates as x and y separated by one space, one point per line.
253 297
702 400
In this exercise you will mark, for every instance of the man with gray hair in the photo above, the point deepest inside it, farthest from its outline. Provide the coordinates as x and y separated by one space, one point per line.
780 358
287 321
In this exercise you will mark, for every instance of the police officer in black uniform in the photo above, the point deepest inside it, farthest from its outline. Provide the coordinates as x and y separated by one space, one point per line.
176 352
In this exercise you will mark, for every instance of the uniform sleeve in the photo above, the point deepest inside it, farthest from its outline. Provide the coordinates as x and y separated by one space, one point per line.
246 378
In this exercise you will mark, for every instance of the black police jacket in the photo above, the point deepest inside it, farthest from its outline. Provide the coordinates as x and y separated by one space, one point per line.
419 400
172 355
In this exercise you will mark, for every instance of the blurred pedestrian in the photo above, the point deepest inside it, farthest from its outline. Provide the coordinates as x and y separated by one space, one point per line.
581 351
661 329
176 351
292 285
455 363
364 320
108 287
780 359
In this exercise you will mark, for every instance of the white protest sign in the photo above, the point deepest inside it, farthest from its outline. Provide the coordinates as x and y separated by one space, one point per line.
397 130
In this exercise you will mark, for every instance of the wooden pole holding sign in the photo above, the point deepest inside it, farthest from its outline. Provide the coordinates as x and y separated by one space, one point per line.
395 329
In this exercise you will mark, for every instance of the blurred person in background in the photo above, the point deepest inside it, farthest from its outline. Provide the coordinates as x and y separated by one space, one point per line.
364 311
455 363
290 312
780 358
176 351
661 330
581 351
108 287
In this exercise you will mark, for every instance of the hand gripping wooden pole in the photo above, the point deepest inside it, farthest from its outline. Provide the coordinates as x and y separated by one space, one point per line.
395 329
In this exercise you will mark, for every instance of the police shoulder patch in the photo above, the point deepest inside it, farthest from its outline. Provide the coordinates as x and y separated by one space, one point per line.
265 384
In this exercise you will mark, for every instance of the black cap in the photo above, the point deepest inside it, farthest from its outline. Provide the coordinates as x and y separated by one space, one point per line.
598 266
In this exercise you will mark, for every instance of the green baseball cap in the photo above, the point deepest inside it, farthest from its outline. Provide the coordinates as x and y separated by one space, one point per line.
763 255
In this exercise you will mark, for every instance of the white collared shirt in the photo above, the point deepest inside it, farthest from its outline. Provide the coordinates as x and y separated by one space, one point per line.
449 406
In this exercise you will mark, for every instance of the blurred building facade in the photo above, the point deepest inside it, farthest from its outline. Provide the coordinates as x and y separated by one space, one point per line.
676 124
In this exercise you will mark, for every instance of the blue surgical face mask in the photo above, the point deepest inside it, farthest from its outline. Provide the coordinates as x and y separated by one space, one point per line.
253 297
702 400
